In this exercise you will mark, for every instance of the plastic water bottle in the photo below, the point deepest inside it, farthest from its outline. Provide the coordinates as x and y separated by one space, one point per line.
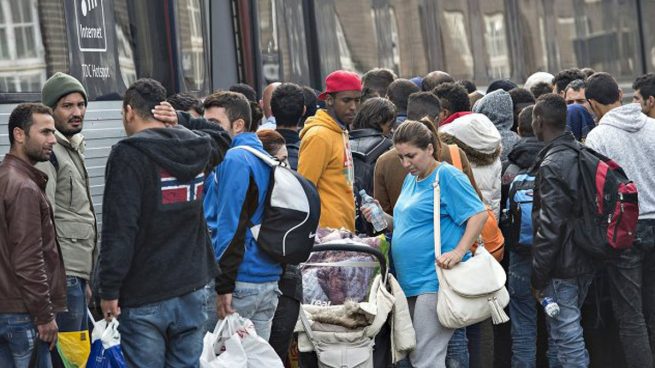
550 307
377 217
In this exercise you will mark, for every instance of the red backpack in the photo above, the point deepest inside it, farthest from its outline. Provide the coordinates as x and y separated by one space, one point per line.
607 222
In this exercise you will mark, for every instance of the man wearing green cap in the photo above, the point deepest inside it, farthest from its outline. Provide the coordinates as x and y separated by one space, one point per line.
69 193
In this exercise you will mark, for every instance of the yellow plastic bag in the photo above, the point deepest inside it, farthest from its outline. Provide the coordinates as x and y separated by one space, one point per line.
74 348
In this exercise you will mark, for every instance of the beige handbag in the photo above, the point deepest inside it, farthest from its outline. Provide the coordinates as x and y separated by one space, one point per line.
472 291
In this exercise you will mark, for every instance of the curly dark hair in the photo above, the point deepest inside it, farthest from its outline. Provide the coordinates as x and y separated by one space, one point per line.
521 96
541 88
399 91
245 90
645 85
185 102
551 108
525 122
143 95
288 104
566 76
469 85
453 97
311 103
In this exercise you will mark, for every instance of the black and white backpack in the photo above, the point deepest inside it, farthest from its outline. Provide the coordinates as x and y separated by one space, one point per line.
291 213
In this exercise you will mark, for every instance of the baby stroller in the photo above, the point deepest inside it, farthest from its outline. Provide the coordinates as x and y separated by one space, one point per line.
347 299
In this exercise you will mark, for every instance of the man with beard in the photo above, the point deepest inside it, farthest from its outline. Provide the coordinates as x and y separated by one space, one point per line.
69 193
32 280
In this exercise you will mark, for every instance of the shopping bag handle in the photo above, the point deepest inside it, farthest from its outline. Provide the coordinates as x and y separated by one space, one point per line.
93 320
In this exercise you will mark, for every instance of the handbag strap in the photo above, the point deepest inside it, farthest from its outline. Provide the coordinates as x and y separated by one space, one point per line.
437 217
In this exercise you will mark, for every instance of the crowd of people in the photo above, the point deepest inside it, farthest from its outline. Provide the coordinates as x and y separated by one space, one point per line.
181 207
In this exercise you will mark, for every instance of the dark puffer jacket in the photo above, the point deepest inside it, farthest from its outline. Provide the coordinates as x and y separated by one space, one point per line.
555 254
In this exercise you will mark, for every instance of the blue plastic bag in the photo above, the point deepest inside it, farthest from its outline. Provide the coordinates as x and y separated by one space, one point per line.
106 346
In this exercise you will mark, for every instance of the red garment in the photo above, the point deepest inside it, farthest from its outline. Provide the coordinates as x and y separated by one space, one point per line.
454 116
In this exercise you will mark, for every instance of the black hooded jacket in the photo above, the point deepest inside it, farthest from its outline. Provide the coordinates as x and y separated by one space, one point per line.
220 138
155 242
524 154
555 253
520 160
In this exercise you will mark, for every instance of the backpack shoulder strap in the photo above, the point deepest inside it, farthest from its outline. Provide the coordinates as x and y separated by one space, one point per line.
455 157
295 146
514 186
54 161
270 161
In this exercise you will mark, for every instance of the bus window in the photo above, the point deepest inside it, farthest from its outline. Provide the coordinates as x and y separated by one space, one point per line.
191 45
346 36
283 41
126 64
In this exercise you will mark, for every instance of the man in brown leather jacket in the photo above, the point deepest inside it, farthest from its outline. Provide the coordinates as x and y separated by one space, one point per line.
32 278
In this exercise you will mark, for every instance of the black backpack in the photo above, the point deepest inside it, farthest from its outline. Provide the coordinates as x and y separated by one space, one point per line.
364 167
291 213
606 222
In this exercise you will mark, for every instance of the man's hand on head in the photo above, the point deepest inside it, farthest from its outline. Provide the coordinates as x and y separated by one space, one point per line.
165 113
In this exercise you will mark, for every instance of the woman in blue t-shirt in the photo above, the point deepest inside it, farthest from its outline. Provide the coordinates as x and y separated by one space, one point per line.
462 218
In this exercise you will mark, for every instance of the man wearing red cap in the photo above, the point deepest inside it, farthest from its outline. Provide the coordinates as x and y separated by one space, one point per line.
325 156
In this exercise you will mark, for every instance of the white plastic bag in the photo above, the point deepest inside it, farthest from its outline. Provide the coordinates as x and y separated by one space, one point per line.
105 345
235 344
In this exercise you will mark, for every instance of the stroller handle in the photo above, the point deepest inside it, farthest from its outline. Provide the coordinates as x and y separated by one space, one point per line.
355 248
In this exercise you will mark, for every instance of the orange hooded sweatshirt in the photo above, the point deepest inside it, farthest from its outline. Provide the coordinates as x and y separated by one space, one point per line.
326 160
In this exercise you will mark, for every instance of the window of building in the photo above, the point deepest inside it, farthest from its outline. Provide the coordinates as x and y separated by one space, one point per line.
496 40
458 33
22 61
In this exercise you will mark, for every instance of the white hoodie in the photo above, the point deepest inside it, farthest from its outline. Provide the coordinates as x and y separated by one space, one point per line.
627 136
480 138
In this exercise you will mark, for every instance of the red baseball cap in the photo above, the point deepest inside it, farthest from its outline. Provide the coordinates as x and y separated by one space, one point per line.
340 81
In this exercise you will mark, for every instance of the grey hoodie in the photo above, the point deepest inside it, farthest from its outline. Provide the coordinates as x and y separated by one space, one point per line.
627 136
497 106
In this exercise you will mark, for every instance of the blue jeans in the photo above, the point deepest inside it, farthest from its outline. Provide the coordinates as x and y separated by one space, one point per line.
523 314
565 330
458 350
258 303
17 339
632 287
168 333
76 319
